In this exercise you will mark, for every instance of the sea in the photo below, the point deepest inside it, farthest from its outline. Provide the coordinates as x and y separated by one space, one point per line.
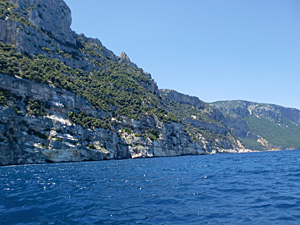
248 188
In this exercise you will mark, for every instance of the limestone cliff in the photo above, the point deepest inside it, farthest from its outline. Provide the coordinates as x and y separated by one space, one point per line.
65 97
53 138
44 28
202 122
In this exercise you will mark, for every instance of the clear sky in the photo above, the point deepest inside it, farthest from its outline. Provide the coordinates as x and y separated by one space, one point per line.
212 49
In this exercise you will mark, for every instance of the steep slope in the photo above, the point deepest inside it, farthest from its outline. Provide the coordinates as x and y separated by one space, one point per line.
201 121
262 126
65 97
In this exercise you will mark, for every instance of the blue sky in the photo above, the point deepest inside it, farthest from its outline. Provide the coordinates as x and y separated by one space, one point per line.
212 49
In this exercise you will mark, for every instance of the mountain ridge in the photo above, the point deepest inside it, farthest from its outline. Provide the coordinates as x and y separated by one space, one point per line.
284 121
66 97
47 70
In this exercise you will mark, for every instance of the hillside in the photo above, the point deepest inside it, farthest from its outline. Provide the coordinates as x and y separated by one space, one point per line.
66 97
262 126
202 121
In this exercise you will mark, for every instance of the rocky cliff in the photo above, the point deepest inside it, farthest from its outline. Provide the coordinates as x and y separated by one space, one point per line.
262 126
202 121
29 137
65 97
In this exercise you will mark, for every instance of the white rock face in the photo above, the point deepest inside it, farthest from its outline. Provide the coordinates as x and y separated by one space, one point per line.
52 138
28 139
53 16
125 59
50 28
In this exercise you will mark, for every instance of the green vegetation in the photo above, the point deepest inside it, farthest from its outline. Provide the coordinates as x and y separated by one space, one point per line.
251 144
88 121
186 112
210 136
114 89
6 98
7 13
47 50
233 108
151 133
9 60
128 131
91 146
264 120
35 108
286 134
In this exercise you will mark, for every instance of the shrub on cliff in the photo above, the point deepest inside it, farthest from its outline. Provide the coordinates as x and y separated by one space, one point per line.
113 89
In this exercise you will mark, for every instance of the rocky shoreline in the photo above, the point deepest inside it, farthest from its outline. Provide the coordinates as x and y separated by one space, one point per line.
65 97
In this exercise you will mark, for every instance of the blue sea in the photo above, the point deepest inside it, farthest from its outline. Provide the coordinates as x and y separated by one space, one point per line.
250 188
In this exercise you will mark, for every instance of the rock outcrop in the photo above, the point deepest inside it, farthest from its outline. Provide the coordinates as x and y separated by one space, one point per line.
45 30
53 138
184 99
125 59
66 97
262 126
202 121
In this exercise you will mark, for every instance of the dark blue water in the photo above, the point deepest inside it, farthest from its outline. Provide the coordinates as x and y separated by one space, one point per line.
254 188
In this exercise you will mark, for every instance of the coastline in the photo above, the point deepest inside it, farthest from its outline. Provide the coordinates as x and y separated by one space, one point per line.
231 151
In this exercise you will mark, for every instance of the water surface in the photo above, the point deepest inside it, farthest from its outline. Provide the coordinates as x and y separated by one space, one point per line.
252 188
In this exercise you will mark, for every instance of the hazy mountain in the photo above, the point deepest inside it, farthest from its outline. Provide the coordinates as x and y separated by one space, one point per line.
262 126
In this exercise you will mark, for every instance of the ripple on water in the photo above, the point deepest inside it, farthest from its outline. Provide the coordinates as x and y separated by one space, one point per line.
255 188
